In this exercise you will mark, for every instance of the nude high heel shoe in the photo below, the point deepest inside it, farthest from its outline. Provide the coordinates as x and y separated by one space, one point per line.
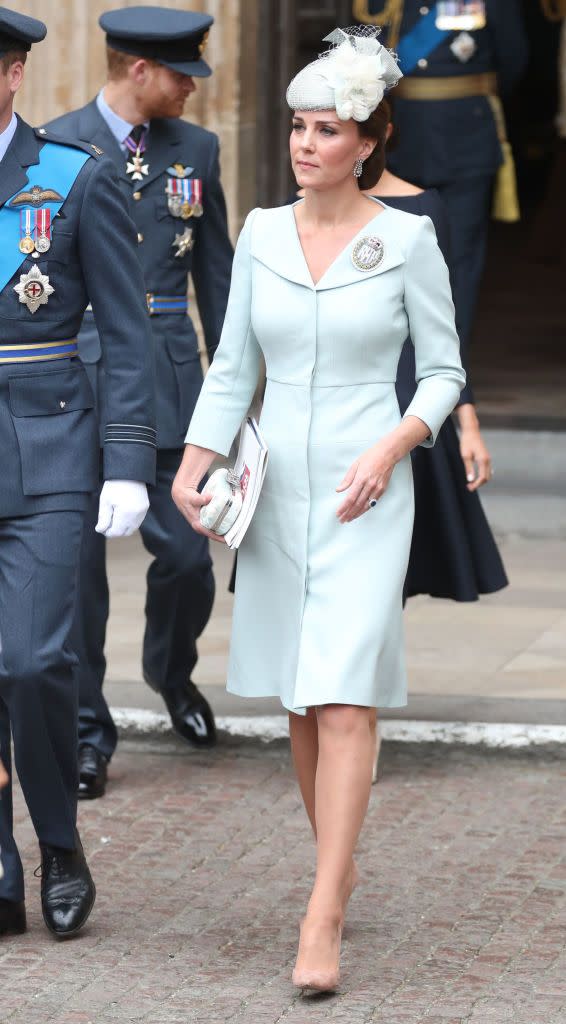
315 981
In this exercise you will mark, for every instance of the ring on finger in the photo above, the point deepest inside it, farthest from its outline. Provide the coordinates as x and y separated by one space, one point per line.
372 502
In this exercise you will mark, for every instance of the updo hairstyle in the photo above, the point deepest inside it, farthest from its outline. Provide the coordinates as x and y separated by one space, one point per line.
374 128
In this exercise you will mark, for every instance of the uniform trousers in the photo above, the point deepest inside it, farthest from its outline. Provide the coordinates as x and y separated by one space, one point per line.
39 558
179 599
468 205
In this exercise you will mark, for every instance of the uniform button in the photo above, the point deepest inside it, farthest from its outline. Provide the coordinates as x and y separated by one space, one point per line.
43 131
423 62
140 237
62 404
137 195
424 10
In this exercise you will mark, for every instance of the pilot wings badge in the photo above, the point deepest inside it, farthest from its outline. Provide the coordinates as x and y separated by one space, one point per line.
37 196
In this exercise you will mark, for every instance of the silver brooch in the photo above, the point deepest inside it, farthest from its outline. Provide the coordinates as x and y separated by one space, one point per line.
368 253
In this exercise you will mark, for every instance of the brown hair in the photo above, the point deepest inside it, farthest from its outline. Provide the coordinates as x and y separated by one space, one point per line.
374 128
7 59
118 63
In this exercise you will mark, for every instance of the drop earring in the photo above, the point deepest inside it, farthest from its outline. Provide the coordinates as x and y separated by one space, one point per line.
358 168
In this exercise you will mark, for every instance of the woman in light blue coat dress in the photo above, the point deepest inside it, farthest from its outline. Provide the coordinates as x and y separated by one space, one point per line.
327 291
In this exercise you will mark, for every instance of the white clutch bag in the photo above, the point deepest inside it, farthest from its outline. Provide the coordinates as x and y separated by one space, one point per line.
226 504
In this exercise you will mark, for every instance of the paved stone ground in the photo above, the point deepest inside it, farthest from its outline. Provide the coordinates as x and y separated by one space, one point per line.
203 866
485 661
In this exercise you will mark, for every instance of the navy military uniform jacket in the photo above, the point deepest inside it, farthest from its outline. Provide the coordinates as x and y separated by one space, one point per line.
177 363
443 140
48 426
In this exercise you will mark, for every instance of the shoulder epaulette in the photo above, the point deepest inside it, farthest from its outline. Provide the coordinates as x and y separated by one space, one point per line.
46 135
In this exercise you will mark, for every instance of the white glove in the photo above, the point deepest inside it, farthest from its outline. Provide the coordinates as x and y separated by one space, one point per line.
122 507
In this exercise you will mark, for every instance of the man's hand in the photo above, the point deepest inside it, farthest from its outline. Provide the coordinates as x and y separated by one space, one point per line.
122 508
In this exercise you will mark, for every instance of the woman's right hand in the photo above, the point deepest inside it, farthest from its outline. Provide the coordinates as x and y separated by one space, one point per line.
4 778
189 501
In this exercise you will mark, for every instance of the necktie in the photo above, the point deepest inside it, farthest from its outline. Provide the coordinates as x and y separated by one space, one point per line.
135 143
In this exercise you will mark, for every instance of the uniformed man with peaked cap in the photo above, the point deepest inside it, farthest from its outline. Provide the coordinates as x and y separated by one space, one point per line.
169 172
66 240
456 58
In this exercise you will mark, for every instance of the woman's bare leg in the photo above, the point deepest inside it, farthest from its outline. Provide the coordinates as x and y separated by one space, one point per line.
342 788
303 730
376 741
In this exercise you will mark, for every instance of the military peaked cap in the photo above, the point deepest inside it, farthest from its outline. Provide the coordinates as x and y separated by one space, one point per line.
18 32
174 38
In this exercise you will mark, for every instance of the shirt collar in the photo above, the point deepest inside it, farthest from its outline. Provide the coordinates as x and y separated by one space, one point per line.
7 135
119 128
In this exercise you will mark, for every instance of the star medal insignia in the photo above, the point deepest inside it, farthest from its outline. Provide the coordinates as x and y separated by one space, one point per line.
136 146
463 47
34 289
368 253
184 242
136 167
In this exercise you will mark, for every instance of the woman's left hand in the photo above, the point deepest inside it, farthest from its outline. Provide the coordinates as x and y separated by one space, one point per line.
366 478
476 458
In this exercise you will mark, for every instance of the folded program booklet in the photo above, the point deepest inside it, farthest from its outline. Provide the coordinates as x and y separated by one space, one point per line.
250 468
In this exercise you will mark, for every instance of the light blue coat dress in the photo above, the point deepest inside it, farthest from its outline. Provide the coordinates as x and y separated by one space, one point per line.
318 604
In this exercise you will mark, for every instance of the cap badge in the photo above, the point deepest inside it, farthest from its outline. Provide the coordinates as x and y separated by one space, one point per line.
34 289
36 197
203 43
368 253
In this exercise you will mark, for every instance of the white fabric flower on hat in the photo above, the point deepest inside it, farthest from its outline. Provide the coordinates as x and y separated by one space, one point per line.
359 78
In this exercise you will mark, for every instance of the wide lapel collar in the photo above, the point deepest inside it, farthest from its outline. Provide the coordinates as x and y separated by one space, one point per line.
160 152
94 130
22 152
275 243
343 271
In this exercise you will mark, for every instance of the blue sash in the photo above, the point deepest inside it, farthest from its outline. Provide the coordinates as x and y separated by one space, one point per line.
420 41
58 168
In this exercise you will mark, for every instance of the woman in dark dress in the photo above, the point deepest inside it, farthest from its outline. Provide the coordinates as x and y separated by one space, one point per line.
453 552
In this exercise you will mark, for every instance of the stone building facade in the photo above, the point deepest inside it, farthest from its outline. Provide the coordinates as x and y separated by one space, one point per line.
255 47
68 68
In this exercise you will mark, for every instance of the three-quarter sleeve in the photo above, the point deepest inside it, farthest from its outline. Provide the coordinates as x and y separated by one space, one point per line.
428 302
231 381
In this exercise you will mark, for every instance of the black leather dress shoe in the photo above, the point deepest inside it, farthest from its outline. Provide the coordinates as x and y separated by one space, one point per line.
67 889
191 715
93 772
12 917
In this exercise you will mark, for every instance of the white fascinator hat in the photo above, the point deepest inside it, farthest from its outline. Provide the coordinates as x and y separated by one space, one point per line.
351 77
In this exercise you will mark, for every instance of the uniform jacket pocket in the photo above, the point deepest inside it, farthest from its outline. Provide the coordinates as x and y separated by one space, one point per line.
55 423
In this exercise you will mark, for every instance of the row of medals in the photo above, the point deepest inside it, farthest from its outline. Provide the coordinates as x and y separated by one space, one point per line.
35 246
179 207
